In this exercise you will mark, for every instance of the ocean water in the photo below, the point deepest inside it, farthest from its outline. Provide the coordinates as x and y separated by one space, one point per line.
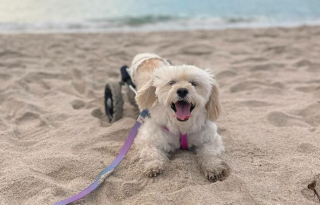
153 15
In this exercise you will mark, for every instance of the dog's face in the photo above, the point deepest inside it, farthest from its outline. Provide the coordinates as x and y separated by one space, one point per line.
184 90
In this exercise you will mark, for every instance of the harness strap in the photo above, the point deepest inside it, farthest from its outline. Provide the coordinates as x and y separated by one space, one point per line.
183 139
105 173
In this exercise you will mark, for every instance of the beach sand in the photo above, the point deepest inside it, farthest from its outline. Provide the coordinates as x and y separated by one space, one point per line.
55 138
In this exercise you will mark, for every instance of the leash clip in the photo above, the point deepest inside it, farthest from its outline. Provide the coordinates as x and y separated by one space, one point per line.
140 119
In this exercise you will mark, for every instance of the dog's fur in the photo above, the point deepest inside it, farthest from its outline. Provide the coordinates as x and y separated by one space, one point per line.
155 93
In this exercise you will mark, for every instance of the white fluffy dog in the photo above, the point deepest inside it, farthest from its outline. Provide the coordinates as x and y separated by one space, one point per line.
182 100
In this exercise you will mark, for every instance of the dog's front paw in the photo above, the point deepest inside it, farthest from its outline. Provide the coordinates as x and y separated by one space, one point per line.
153 169
217 172
153 172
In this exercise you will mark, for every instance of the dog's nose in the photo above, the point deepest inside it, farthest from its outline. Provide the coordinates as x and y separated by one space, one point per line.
182 92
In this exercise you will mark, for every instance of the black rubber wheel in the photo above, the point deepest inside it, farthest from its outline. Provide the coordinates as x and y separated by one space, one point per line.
113 101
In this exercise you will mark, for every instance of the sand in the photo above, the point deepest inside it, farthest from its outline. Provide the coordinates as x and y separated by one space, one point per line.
55 138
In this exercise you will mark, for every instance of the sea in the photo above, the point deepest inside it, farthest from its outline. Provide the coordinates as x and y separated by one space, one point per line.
29 16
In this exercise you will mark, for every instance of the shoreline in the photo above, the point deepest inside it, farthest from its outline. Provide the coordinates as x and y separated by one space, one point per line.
148 28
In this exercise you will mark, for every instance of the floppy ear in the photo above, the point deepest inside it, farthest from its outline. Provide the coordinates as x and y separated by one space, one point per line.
213 105
146 96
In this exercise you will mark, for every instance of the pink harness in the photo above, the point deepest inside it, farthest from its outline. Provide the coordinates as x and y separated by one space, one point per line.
183 139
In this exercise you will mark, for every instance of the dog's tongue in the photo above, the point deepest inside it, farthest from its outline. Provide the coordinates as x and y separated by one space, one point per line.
183 110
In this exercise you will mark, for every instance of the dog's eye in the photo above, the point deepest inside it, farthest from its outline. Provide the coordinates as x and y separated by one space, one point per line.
194 83
172 82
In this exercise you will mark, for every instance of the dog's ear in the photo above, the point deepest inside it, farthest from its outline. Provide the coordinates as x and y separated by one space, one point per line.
213 105
146 96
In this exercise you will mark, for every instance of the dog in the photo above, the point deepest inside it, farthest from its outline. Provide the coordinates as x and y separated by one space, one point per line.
181 100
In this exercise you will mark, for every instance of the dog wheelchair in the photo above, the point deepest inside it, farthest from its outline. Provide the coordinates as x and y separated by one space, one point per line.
113 99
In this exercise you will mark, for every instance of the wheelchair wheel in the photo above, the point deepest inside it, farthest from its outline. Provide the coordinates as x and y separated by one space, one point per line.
113 101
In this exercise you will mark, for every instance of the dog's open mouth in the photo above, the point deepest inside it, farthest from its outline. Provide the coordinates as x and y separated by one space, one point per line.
182 110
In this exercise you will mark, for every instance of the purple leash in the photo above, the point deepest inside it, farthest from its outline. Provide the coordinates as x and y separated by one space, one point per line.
105 173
